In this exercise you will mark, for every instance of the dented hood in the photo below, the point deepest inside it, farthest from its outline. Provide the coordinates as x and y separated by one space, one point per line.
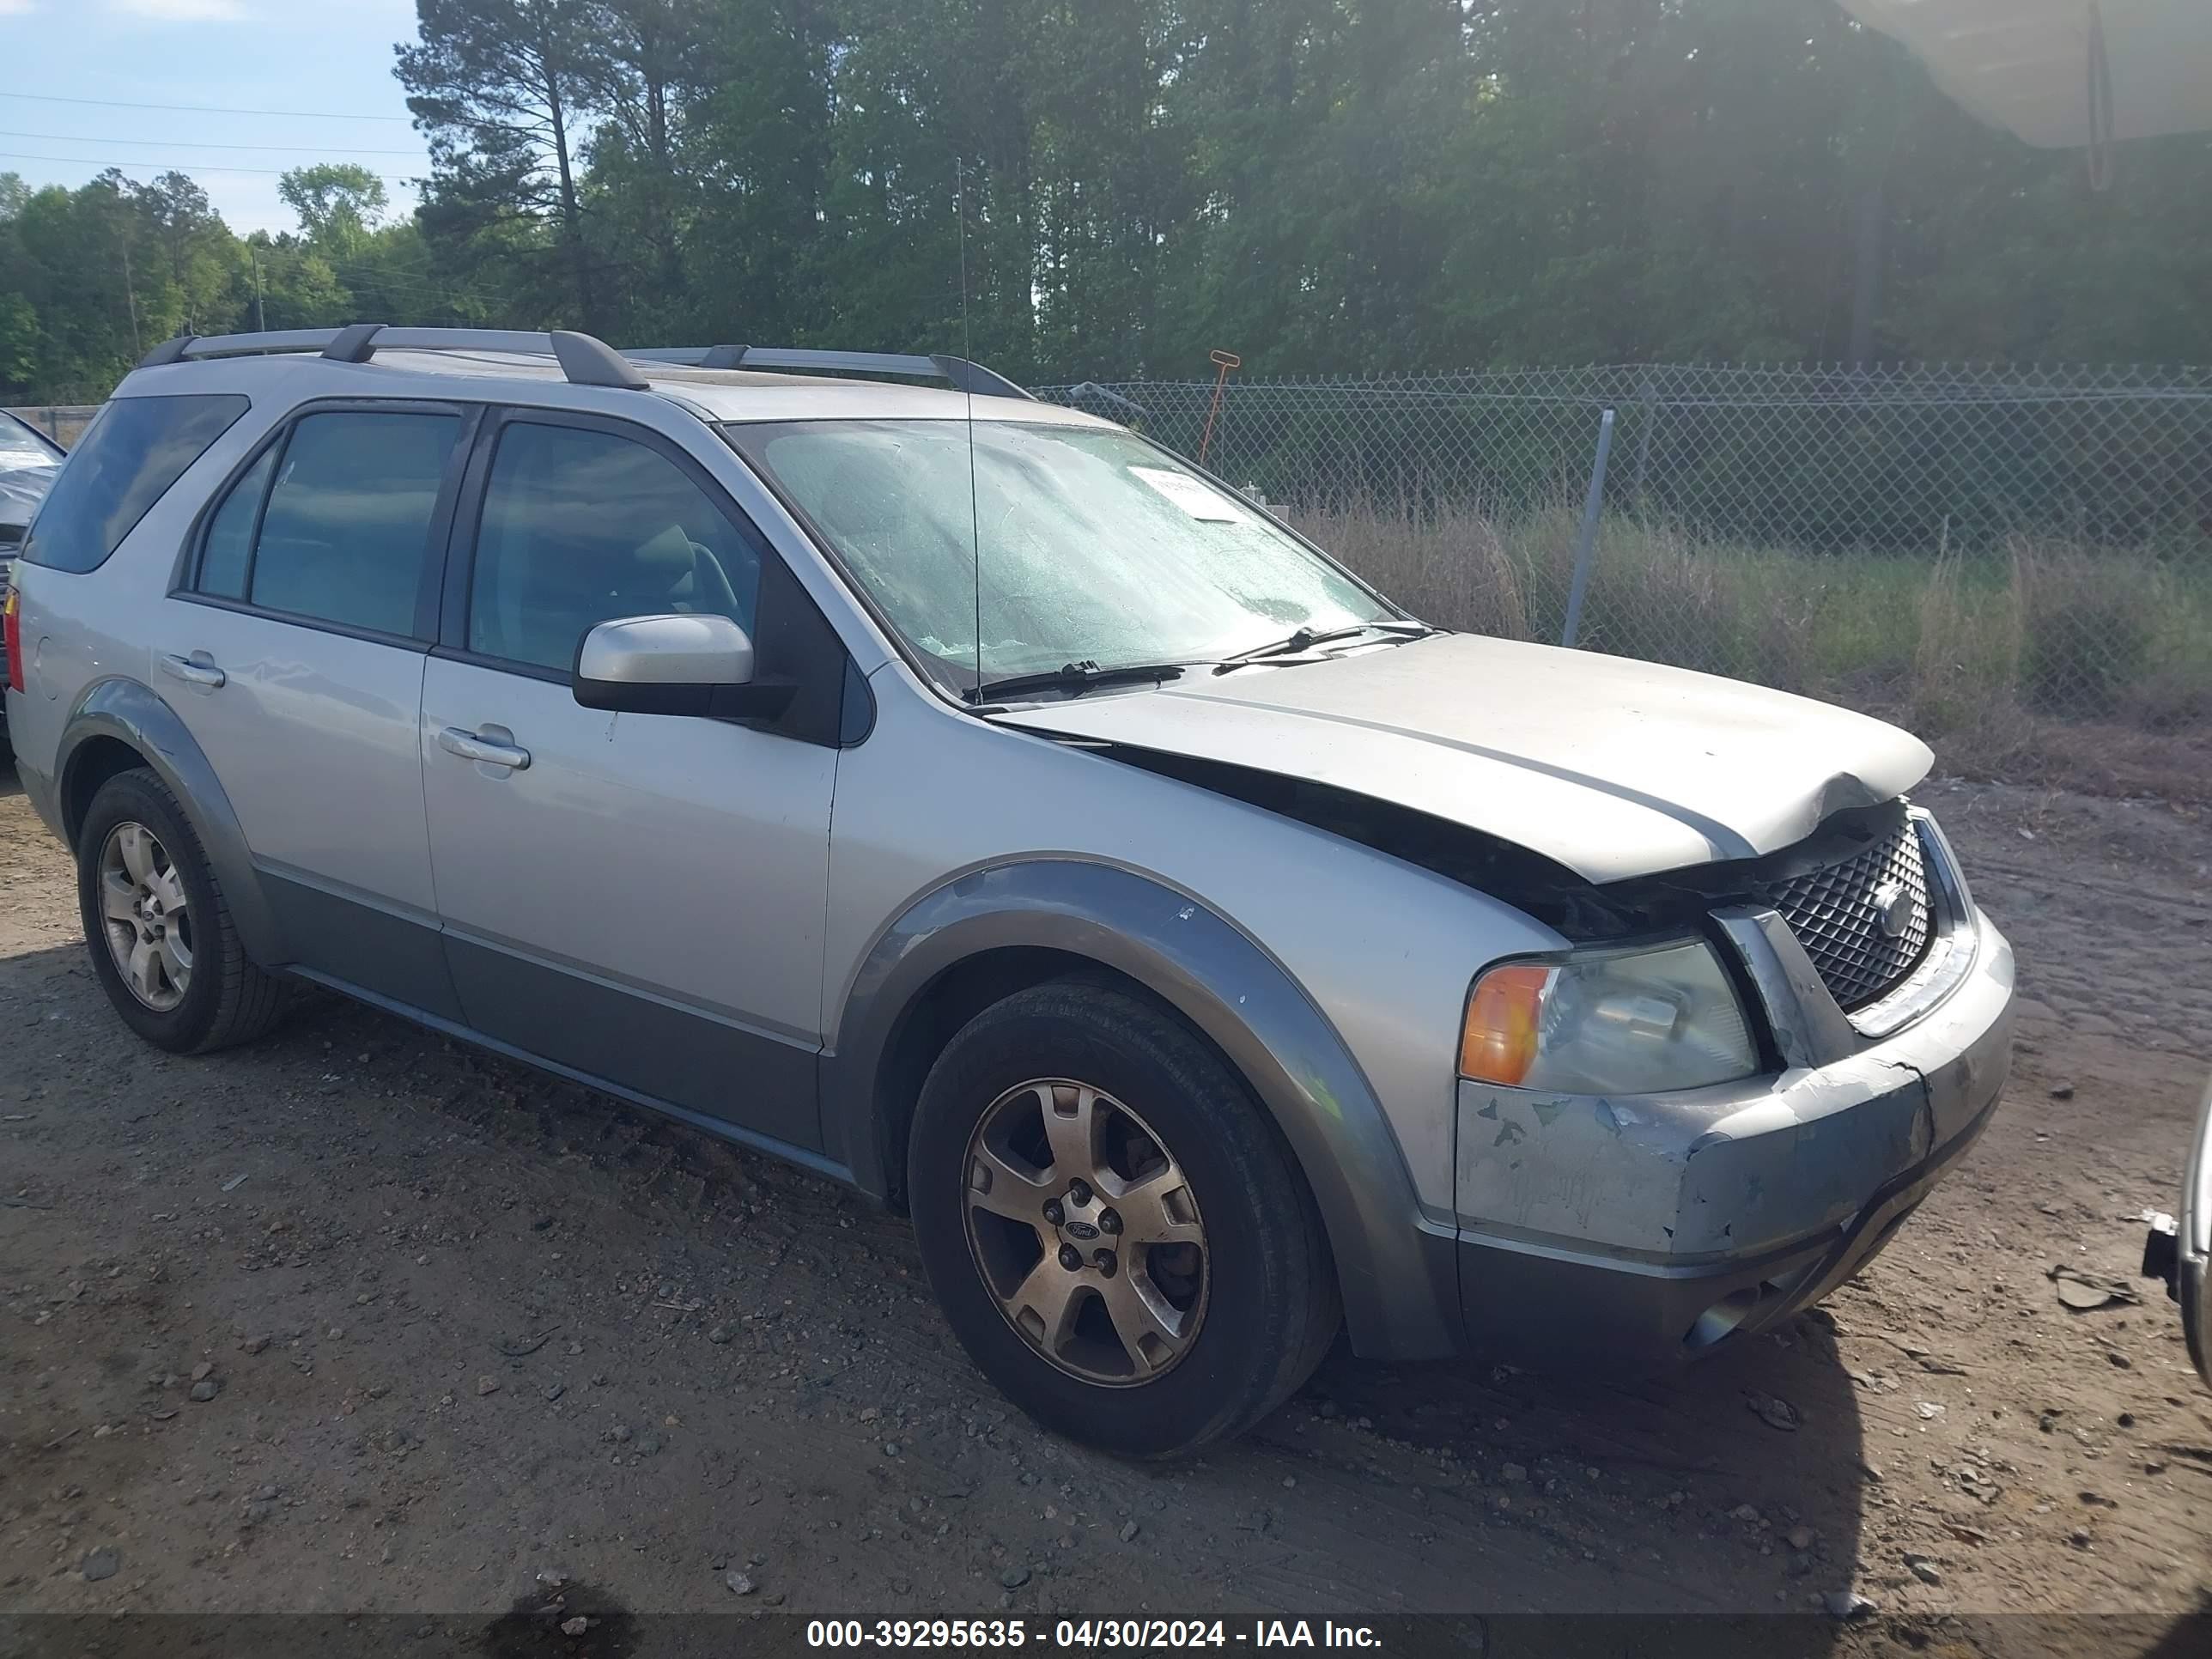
1611 767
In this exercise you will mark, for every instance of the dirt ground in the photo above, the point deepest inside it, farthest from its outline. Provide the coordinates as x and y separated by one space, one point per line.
466 1324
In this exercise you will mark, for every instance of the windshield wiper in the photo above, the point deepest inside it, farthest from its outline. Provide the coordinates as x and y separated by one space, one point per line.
1075 676
1305 639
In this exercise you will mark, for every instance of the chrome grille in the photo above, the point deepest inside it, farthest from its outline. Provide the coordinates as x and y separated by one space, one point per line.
1837 914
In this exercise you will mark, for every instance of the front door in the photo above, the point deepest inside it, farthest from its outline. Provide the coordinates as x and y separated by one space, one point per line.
293 654
636 897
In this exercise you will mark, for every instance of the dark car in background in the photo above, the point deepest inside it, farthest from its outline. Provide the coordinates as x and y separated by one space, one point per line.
28 461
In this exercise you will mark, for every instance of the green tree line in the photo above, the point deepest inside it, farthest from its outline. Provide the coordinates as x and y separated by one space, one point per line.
1324 186
91 278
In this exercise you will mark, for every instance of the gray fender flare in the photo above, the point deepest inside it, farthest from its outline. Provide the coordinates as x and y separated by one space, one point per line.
1399 1280
128 710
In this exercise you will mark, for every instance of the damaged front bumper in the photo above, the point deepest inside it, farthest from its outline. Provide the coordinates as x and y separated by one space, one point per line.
1663 1226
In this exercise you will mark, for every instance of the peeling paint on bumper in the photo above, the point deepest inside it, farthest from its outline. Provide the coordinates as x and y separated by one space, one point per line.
1661 1224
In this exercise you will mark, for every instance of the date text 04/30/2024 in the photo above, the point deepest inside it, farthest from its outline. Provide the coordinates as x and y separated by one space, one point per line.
1086 1633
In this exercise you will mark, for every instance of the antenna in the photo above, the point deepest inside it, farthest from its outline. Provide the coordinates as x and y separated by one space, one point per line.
967 350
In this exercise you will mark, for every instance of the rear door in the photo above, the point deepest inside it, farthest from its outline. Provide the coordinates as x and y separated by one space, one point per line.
637 898
293 650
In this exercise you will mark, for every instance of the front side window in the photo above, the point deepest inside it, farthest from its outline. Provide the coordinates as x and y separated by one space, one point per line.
1095 546
345 509
581 526
133 451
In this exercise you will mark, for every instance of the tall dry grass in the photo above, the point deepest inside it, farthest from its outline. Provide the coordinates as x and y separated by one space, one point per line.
2042 659
1965 662
1449 563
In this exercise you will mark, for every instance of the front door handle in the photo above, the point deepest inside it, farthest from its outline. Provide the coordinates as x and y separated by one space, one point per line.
195 670
491 751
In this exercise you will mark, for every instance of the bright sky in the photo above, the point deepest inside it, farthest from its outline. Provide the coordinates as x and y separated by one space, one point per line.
313 60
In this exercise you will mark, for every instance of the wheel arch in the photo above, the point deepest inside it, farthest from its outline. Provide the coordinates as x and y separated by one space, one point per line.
990 932
119 724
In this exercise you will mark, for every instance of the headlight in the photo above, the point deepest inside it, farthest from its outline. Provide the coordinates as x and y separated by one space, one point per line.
1610 1021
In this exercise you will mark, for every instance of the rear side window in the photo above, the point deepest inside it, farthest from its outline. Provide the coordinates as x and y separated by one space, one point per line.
230 532
127 460
334 524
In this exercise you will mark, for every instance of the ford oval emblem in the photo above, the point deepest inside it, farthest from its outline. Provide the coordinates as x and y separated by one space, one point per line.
1892 907
1081 1229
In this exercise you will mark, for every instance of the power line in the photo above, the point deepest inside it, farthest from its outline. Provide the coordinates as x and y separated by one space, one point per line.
194 143
162 166
353 273
416 287
403 276
204 109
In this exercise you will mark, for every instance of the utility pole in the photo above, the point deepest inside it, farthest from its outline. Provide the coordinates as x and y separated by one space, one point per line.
138 347
260 322
1869 218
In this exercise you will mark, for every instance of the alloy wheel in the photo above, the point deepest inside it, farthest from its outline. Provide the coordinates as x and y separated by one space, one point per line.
144 914
1085 1231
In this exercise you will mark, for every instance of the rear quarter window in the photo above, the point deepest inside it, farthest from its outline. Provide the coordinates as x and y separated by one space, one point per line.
133 451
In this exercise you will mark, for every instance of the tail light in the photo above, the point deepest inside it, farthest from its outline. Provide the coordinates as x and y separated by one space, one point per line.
11 637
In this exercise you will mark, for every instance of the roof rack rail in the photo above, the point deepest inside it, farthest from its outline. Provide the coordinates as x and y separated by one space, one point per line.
585 361
1128 406
964 376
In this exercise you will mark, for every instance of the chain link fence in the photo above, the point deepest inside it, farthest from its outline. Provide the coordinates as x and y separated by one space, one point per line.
2016 561
63 422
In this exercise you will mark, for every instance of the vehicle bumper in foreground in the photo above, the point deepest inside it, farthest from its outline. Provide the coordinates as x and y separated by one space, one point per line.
1661 1228
2179 1249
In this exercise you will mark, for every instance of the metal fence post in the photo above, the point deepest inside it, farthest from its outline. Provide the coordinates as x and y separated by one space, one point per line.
1586 538
1447 489
1649 396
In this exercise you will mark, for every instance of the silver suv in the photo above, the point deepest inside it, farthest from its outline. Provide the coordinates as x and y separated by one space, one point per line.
971 801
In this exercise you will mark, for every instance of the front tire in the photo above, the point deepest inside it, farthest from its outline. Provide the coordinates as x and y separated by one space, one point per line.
158 927
1119 1235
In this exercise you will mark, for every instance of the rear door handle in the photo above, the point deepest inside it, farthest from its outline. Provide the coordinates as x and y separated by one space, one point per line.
489 750
195 670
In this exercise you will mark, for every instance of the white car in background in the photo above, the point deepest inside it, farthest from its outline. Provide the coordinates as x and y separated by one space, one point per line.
28 461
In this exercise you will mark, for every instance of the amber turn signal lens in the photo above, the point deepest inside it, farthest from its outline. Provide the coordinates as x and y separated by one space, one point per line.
11 638
1498 1042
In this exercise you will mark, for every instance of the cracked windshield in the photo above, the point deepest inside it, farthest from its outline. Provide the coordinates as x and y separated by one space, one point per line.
1096 547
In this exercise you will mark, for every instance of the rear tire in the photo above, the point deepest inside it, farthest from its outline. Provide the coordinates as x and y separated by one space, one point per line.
137 857
1216 1297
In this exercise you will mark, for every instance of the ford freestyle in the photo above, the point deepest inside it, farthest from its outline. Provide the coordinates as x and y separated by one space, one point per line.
969 800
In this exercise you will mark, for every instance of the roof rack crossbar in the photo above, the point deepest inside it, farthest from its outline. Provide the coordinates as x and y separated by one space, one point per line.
194 347
965 376
584 360
713 356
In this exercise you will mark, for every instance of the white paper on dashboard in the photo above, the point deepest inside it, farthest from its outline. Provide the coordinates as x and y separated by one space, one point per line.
1193 496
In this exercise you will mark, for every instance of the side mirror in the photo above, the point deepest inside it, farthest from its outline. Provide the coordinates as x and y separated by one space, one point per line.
673 665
